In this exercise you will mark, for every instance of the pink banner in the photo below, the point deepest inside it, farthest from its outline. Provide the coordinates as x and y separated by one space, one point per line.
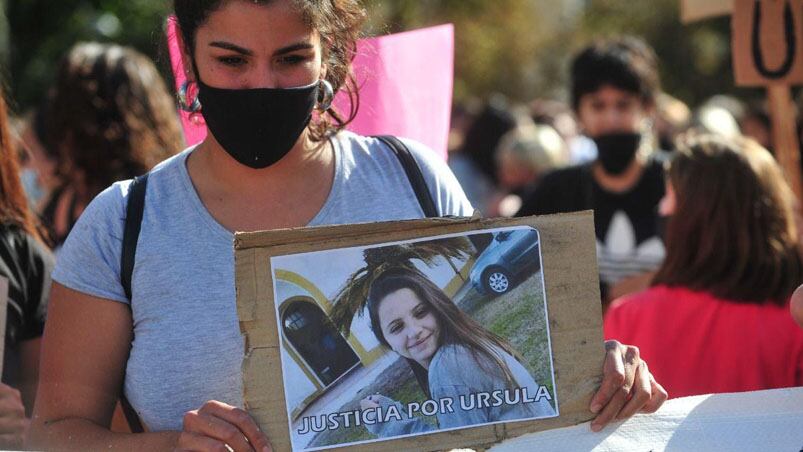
194 132
405 82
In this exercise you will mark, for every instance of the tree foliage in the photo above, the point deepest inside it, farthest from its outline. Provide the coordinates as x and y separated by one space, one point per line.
520 48
41 31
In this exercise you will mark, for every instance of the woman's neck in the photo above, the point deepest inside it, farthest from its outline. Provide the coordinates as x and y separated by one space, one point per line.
286 194
230 176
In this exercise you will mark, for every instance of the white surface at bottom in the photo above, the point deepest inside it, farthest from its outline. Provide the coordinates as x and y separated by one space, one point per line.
749 421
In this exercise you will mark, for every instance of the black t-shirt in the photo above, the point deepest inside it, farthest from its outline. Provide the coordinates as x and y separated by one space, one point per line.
625 223
27 265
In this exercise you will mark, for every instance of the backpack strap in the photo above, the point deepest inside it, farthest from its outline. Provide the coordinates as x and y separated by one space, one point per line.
414 175
133 223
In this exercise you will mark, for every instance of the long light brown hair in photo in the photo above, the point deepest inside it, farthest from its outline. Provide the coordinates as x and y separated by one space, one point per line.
456 328
733 232
13 203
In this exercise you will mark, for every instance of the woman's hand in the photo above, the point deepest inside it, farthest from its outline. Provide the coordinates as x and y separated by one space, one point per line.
369 403
220 427
13 423
627 387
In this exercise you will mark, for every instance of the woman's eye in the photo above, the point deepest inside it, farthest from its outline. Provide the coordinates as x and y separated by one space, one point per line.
395 328
422 312
292 59
232 61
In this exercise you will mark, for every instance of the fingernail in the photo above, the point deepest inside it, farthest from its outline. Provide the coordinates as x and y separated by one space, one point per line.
595 407
596 427
266 449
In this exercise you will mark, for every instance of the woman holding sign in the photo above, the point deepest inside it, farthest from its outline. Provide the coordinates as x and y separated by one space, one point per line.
452 357
261 68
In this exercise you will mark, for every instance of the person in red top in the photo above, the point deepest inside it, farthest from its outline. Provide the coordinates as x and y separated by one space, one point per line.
722 294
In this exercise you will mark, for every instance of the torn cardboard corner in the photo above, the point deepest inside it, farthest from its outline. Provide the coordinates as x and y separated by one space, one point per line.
568 274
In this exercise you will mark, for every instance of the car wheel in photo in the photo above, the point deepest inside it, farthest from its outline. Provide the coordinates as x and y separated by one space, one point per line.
497 281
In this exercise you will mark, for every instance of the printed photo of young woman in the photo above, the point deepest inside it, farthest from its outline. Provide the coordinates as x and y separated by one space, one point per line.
411 338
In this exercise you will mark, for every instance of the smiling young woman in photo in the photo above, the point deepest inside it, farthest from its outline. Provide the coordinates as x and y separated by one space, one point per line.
261 68
450 354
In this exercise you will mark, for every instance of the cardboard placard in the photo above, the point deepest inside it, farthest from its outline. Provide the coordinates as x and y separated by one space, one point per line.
767 42
694 10
277 270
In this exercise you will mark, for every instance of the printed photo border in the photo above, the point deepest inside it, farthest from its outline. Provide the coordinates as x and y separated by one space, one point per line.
279 264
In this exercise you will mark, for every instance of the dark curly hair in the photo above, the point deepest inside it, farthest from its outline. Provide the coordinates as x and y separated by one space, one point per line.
627 63
110 116
339 23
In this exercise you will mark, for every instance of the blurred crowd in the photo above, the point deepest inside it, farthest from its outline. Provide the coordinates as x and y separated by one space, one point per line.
697 232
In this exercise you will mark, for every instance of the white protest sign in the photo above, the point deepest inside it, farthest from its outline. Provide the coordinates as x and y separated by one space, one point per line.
761 420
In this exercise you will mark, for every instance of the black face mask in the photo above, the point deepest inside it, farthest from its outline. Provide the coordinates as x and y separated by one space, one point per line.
617 150
257 127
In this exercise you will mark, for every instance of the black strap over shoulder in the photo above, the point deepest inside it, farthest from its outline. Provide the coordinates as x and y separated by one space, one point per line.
414 174
133 223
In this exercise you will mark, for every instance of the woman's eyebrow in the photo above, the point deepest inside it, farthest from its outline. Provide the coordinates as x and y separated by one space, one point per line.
294 47
232 47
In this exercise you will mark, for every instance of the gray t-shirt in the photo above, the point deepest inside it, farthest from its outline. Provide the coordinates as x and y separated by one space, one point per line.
187 347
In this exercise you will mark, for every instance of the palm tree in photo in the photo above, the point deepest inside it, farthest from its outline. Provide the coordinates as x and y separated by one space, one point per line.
351 299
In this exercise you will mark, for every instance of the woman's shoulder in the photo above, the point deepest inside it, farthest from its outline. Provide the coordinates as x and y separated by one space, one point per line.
455 359
456 364
111 202
373 147
375 160
449 365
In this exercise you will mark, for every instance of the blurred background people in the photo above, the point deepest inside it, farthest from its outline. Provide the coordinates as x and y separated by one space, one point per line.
732 263
473 163
523 156
110 118
712 118
672 118
614 84
757 124
41 160
26 263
